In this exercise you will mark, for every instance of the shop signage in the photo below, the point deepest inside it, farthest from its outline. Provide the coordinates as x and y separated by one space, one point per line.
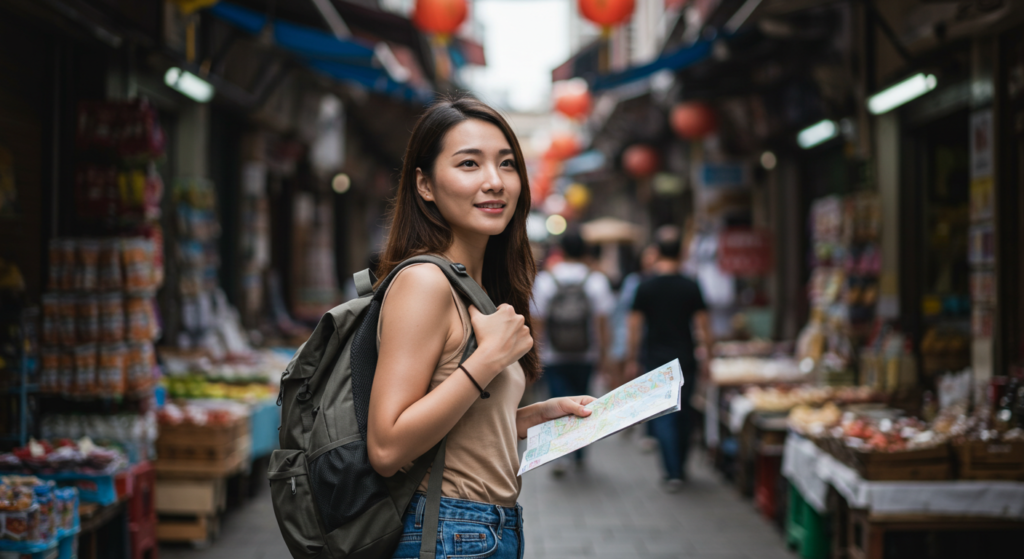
745 252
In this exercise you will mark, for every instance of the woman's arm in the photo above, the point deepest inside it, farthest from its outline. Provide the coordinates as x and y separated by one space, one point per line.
419 315
554 408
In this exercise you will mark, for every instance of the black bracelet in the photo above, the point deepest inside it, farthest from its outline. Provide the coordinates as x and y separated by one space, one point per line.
483 393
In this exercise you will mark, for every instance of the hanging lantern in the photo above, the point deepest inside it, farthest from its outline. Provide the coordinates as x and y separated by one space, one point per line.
641 161
693 121
606 13
441 17
563 146
572 98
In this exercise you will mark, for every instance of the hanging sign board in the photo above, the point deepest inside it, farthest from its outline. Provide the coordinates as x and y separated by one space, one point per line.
745 252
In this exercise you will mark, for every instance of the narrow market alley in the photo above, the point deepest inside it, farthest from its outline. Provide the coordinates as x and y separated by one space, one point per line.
613 508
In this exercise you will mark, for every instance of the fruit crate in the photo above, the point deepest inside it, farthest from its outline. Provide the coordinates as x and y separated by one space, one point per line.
927 464
806 529
983 460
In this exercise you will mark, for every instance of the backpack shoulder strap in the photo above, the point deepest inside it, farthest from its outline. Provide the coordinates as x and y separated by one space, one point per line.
364 281
457 276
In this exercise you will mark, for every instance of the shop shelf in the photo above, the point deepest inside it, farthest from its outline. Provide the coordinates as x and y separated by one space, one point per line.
806 530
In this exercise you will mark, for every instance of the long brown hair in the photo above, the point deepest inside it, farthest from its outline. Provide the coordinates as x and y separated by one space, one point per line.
417 226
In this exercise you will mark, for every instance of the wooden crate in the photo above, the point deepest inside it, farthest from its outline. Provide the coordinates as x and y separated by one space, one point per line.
199 530
929 464
200 443
190 497
209 451
990 460
188 509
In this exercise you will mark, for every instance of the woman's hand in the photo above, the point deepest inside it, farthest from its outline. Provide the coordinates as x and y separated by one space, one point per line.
503 336
538 413
569 405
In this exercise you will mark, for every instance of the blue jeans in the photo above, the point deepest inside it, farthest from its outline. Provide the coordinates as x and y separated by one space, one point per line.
465 530
673 431
569 379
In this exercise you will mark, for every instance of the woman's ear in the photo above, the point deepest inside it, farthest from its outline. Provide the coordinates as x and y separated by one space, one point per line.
423 186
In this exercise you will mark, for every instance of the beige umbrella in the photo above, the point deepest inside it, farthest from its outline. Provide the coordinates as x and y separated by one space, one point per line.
610 230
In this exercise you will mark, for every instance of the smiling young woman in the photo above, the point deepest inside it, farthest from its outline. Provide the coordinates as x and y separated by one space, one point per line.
463 195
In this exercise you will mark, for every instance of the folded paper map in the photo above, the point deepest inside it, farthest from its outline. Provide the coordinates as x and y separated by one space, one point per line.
651 395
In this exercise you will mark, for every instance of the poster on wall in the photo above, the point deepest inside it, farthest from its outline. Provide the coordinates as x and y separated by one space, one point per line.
981 144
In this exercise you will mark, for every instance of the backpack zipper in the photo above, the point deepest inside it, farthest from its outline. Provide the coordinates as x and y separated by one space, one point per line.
293 486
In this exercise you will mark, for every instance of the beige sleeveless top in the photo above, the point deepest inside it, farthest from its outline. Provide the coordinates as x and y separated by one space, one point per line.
481 459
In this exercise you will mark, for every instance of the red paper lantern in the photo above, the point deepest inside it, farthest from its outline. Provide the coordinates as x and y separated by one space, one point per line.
572 98
439 16
606 13
563 146
641 161
693 121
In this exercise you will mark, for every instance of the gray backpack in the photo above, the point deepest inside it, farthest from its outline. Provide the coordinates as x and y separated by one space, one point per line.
568 322
328 499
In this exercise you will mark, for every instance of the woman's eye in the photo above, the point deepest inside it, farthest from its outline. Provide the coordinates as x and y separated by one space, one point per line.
508 163
467 163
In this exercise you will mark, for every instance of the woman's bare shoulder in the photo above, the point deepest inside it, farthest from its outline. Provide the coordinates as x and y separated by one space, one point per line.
423 287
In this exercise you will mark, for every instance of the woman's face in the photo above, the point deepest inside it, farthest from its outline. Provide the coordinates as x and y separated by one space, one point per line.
475 183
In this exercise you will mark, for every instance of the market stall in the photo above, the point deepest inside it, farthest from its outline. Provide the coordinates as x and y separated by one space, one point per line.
874 470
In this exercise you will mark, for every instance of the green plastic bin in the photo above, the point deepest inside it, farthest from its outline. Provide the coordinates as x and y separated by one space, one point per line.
806 530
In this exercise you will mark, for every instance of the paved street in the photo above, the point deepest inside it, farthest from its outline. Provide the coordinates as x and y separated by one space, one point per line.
614 508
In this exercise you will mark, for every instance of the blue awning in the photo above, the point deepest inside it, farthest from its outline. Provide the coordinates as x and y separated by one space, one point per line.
675 60
343 60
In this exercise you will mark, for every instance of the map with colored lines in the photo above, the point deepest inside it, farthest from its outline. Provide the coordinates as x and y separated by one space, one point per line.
646 397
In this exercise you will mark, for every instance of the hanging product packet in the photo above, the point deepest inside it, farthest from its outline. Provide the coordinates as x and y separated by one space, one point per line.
87 265
110 265
85 370
62 265
68 303
88 318
138 312
137 258
110 372
49 370
139 367
66 373
111 317
51 318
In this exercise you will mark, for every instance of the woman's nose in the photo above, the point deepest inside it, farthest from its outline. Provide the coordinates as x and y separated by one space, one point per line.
492 180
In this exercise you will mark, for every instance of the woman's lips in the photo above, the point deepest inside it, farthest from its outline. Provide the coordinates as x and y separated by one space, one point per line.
491 207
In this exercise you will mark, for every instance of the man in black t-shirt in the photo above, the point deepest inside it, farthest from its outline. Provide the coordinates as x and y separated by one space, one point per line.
665 306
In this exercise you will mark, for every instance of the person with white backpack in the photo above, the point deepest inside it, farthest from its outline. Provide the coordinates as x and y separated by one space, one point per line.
571 303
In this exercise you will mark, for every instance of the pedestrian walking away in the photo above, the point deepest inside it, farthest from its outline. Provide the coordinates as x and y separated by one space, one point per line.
666 307
571 304
463 195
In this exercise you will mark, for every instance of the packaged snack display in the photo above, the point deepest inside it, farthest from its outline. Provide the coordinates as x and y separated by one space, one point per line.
85 370
110 372
111 317
88 318
87 265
